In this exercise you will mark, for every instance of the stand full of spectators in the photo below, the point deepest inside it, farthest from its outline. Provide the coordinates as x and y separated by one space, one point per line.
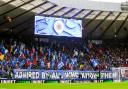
18 55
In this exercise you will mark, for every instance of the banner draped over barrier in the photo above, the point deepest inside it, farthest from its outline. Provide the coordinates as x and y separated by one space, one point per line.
61 74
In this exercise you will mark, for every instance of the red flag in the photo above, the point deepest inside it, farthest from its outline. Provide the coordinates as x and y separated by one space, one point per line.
22 56
34 60
27 64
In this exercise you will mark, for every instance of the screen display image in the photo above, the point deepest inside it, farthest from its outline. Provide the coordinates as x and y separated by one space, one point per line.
58 26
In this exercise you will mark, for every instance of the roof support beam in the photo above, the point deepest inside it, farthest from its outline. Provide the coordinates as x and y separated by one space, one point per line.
77 13
24 12
16 8
95 28
68 12
118 30
86 16
6 3
30 18
58 10
47 10
94 18
109 26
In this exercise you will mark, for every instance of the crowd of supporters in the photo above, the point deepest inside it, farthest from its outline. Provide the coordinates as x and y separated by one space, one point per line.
55 56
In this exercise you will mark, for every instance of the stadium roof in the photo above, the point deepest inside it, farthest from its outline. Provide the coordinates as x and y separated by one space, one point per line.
97 24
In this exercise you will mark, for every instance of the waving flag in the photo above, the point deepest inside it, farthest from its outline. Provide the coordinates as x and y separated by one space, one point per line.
94 62
35 59
60 65
2 50
1 56
22 56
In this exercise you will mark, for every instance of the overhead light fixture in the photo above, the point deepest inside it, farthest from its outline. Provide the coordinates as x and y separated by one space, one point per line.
8 18
115 35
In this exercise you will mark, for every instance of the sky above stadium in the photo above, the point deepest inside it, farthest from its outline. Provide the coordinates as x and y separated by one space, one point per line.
112 1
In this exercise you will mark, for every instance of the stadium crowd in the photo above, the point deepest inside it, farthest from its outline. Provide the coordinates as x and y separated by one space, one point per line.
18 55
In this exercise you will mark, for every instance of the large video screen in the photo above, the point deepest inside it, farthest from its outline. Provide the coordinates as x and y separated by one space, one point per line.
58 26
